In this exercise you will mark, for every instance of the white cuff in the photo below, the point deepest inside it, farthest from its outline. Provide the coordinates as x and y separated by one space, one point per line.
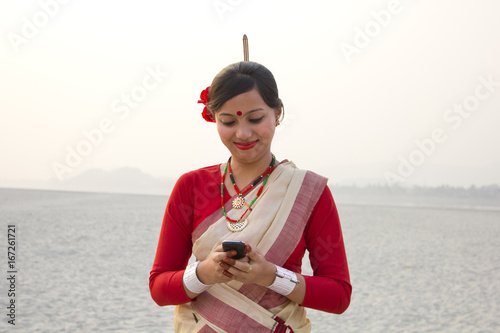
285 281
191 281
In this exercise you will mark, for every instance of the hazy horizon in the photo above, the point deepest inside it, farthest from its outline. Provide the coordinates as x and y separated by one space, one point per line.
135 181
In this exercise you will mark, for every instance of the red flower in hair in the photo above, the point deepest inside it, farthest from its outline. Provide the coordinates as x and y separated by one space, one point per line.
206 114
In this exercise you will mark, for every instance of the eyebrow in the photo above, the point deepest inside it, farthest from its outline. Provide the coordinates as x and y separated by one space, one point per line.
229 114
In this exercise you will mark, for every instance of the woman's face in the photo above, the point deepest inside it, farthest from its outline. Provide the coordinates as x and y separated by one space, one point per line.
246 126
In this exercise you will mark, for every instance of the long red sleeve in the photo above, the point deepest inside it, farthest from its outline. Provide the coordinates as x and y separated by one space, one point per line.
329 289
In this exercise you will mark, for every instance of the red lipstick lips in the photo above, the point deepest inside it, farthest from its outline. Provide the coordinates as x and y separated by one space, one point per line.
246 145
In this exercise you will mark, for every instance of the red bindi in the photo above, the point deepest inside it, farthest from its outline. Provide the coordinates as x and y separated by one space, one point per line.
239 113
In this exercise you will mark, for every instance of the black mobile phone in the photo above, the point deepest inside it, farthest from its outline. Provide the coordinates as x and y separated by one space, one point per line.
238 246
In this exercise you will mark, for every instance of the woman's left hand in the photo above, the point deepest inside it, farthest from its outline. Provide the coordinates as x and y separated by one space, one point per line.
254 268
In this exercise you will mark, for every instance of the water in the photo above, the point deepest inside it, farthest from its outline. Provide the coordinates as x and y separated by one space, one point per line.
83 264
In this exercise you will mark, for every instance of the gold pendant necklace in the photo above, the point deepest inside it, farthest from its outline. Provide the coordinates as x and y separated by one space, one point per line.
238 202
238 226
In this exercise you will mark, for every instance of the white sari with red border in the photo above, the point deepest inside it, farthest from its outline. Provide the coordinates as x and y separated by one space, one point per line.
275 227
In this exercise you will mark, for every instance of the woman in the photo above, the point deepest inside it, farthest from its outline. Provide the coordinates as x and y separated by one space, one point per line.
278 210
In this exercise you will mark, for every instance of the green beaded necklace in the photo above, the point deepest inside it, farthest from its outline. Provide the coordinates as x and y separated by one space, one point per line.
238 225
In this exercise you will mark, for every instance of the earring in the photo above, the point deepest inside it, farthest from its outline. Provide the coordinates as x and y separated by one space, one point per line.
277 122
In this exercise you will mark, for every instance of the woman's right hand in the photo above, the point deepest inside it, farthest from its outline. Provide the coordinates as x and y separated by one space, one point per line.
214 269
211 270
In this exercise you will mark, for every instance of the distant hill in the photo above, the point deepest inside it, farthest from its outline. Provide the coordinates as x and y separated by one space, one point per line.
441 196
124 180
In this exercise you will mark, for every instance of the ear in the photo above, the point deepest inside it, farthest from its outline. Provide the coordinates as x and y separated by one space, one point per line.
279 111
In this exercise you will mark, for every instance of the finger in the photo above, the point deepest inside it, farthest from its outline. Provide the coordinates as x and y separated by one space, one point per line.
231 253
226 273
234 272
248 248
244 259
224 265
219 249
229 261
218 257
243 266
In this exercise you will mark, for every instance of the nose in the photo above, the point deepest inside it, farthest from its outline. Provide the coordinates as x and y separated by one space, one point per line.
243 132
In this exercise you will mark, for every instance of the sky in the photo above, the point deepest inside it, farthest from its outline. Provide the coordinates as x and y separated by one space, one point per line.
374 91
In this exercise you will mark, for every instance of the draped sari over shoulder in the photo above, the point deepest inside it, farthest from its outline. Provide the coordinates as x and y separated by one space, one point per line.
275 227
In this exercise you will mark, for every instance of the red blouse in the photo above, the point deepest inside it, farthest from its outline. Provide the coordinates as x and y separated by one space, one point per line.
196 195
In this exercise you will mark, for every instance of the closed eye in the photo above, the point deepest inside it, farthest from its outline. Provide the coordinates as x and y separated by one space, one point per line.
256 120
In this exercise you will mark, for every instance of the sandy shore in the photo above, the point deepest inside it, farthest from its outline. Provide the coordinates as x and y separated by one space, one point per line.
84 262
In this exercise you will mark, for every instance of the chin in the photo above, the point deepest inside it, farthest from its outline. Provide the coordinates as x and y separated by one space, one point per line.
249 156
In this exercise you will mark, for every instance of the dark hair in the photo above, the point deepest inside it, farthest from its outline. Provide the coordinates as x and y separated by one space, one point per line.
239 78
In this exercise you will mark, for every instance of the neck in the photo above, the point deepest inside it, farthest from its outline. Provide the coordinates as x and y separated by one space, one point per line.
244 173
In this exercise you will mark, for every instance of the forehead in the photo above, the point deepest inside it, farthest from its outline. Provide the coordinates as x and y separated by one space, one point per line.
247 101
